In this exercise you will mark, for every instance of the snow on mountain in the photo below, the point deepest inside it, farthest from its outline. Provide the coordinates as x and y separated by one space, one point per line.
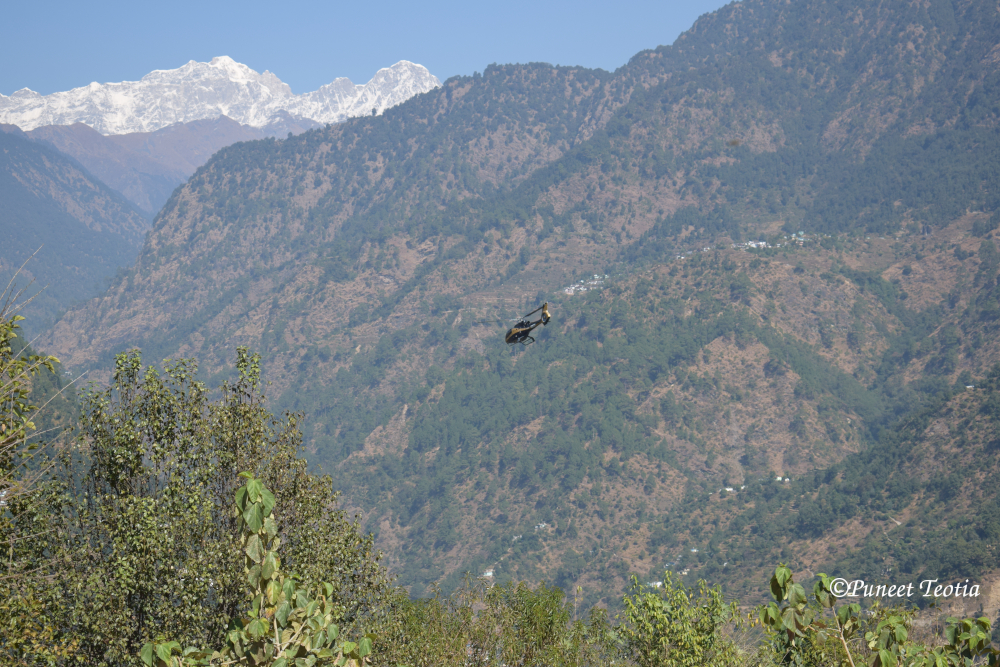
197 91
342 99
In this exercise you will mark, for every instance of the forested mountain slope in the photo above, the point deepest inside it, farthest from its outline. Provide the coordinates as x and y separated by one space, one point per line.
85 230
369 262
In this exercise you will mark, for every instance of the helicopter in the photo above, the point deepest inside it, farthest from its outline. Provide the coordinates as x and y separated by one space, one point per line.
521 332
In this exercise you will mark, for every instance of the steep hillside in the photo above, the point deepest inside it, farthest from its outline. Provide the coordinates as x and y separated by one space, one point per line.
308 208
85 230
793 205
921 503
146 167
620 427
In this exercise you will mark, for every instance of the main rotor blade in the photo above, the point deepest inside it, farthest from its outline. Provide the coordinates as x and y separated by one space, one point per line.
533 312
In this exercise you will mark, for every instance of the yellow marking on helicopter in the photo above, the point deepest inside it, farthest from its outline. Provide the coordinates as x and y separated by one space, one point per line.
521 332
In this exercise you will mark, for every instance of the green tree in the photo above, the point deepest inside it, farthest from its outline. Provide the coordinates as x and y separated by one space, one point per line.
799 634
28 493
156 549
510 624
285 622
672 625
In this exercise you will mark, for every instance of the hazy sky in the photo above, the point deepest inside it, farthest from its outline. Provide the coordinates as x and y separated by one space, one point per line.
52 46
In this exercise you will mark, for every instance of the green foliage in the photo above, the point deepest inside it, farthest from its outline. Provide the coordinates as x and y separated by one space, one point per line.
16 372
28 494
513 624
816 631
799 632
671 625
285 622
145 542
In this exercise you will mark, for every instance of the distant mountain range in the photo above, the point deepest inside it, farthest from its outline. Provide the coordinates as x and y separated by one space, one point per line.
141 140
144 138
200 91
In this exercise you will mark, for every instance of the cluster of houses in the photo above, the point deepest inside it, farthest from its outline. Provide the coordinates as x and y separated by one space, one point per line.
586 284
799 238
754 245
688 253
730 489
727 489
789 239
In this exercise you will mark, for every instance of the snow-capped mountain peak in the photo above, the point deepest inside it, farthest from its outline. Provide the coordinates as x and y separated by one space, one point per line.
221 87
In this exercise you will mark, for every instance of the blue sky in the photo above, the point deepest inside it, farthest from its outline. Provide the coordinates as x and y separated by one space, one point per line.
52 46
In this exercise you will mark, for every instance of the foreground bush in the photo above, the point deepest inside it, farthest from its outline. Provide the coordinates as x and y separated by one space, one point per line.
671 625
284 623
480 624
815 630
132 534
31 499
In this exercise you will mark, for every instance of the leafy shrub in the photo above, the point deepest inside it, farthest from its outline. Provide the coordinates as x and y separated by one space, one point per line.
285 623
